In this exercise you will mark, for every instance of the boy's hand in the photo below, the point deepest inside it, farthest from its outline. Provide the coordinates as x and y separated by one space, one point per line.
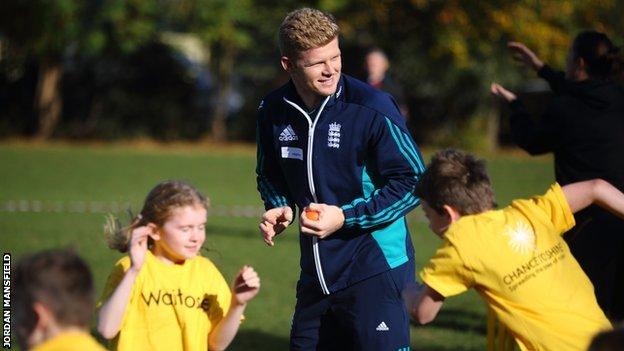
521 53
422 302
330 219
274 221
501 92
246 285
410 296
137 247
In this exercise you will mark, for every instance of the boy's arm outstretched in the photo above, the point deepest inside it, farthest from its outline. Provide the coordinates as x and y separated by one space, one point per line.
245 287
422 302
112 311
596 191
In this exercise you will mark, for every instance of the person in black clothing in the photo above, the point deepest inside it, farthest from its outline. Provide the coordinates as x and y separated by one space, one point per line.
608 340
584 127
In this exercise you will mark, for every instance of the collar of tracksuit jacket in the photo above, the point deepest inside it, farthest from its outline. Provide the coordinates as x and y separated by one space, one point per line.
292 96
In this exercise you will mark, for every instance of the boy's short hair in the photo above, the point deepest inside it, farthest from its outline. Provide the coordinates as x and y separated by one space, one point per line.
459 180
58 279
306 29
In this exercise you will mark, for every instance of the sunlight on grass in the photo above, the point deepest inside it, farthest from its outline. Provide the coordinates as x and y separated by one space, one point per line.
126 174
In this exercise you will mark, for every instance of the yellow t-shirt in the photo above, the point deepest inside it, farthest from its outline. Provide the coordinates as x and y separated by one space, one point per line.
517 261
171 307
70 341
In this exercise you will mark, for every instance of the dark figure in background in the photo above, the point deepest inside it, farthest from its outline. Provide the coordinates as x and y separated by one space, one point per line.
610 340
376 65
584 127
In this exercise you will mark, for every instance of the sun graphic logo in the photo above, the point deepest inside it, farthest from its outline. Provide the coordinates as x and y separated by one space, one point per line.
521 238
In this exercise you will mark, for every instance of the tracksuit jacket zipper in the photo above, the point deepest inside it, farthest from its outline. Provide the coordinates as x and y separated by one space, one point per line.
311 127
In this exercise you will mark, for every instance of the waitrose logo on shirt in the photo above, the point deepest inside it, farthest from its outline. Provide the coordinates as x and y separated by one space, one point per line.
177 298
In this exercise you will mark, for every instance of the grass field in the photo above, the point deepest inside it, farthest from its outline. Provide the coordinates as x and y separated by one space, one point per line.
64 173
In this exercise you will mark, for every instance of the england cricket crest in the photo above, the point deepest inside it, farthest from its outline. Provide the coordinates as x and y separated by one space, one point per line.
333 136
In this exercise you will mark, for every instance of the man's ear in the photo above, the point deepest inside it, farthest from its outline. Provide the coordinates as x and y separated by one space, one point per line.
287 64
452 213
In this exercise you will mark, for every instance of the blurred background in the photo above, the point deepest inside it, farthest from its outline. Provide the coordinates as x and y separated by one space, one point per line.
197 69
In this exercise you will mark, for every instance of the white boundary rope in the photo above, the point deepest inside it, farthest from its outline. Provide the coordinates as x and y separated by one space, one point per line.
114 207
104 207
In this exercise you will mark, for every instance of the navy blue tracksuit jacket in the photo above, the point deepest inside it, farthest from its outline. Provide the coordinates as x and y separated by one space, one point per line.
355 152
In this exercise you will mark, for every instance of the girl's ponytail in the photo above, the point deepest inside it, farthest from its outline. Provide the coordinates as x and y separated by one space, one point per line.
118 236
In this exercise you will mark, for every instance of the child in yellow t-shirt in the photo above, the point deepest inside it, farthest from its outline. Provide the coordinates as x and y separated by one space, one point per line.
53 302
515 257
164 295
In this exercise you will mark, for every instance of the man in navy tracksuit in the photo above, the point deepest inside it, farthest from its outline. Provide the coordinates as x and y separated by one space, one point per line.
330 143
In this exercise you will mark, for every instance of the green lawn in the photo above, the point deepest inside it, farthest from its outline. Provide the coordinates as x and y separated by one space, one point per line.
125 174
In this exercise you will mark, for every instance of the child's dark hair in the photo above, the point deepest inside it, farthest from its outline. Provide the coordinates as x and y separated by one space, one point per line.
456 179
602 59
157 208
57 279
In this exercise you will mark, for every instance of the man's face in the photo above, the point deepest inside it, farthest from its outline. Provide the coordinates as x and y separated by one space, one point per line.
437 223
376 64
315 72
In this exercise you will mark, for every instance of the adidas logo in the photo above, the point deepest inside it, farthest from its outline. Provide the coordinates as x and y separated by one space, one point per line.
382 327
288 134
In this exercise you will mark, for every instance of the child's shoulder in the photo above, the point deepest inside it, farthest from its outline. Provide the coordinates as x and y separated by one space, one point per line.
208 269
199 259
471 232
552 202
477 222
204 262
123 263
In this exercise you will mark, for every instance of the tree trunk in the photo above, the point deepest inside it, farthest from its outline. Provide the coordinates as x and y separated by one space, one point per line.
48 100
225 65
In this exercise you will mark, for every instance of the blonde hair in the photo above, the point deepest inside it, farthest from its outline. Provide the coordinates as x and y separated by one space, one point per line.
305 29
159 204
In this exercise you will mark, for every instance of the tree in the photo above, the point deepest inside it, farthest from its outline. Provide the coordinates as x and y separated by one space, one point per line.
43 30
224 26
50 31
447 52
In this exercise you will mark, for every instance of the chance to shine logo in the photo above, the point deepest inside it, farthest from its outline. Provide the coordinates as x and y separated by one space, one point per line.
521 238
